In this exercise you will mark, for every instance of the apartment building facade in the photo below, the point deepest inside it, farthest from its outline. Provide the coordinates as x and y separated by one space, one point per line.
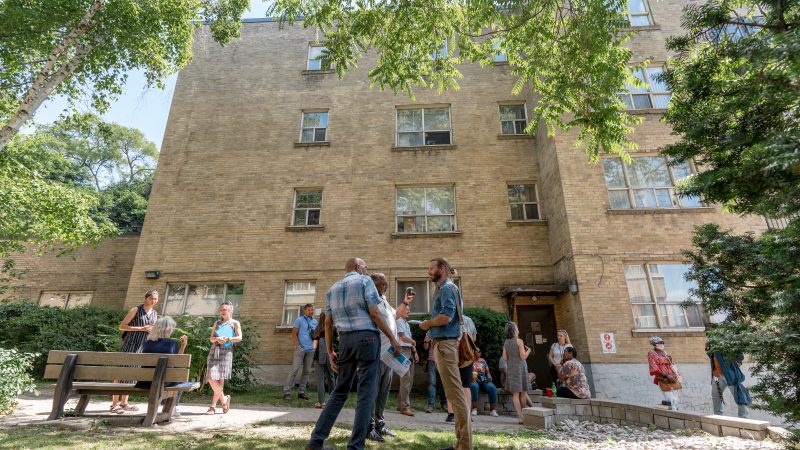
273 171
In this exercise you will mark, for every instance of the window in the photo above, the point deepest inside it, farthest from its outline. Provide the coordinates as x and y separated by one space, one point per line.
498 55
62 299
638 14
656 292
425 290
441 52
317 59
315 127
735 32
513 119
426 210
307 208
648 182
524 202
654 95
423 126
201 299
298 294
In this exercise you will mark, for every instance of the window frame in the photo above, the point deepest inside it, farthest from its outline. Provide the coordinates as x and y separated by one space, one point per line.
303 128
524 211
514 122
677 200
295 208
647 13
495 52
656 304
69 295
183 302
309 60
424 129
651 94
300 306
425 215
430 288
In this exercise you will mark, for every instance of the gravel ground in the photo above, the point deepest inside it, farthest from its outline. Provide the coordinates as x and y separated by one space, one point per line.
587 435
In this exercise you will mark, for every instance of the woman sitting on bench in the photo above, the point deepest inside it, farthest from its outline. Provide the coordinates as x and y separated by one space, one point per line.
158 341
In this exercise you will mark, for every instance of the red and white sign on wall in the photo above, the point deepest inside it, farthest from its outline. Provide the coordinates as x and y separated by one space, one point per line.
608 343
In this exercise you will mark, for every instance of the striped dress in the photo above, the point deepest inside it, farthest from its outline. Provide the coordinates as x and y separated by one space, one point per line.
133 341
220 358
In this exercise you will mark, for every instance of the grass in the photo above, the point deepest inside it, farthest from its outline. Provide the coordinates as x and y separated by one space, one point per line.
268 436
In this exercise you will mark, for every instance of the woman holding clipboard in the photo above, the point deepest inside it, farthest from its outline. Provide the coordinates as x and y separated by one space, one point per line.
224 333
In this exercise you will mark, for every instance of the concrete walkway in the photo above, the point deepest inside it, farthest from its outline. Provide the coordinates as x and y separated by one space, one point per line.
34 411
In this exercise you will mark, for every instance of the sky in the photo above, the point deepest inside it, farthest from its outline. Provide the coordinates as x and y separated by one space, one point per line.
139 106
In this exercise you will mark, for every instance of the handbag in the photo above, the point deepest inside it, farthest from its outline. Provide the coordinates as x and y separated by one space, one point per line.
673 385
466 346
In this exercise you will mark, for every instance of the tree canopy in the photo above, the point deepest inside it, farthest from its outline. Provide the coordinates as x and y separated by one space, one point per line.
571 54
736 107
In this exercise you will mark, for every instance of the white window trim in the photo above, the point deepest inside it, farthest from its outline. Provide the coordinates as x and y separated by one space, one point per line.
524 110
425 215
495 47
309 59
314 129
537 203
650 93
186 293
424 130
295 208
630 190
629 15
286 295
656 304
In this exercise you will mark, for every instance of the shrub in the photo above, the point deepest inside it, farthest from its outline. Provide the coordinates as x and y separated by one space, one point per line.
198 330
15 378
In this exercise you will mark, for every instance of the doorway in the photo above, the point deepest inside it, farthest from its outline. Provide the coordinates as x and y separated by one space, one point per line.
537 329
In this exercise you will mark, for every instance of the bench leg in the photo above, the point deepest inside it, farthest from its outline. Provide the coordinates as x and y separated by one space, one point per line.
63 387
156 388
170 405
82 403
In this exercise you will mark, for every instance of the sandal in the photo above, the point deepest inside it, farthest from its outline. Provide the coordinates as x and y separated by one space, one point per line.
116 409
211 411
127 407
227 405
319 405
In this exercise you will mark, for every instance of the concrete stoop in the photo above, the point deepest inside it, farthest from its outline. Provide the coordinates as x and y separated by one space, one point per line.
555 410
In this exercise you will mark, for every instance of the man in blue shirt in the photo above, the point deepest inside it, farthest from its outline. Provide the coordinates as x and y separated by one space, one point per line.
303 353
445 331
352 306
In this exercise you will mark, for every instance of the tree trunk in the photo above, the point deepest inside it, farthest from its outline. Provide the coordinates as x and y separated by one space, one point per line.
48 80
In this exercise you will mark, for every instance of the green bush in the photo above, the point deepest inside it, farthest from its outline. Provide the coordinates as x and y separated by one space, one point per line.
33 329
198 330
15 378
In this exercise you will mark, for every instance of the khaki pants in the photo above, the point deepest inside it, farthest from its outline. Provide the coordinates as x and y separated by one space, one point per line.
447 365
404 390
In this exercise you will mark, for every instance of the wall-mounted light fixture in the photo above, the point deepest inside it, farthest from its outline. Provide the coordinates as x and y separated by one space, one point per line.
573 287
152 274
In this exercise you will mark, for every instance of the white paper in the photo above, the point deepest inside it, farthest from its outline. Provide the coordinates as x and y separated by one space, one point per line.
399 364
414 322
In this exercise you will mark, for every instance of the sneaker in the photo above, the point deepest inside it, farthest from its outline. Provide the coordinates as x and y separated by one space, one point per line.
287 397
176 415
474 411
429 409
387 432
375 436
493 413
450 417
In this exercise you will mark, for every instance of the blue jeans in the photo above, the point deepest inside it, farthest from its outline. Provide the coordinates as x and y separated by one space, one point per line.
487 387
434 387
358 355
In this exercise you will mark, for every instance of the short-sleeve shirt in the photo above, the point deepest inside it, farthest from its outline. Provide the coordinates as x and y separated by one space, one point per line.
388 313
163 345
469 326
404 330
576 378
348 301
444 302
305 331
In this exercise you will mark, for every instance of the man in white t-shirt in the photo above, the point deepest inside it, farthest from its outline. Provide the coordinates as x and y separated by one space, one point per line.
408 347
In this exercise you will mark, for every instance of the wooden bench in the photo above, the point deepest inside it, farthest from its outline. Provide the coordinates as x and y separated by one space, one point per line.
92 373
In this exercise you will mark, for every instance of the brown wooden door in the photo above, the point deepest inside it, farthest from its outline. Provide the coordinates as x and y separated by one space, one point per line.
537 328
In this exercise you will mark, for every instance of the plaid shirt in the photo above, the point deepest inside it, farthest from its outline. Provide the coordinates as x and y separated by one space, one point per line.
348 302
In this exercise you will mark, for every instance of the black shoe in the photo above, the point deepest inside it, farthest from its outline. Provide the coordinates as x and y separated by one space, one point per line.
375 436
303 396
450 418
387 432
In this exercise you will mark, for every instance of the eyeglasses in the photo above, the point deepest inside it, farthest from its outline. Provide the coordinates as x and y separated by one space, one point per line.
562 330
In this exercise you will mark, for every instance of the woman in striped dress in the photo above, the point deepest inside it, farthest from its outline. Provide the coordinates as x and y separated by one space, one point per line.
224 333
135 326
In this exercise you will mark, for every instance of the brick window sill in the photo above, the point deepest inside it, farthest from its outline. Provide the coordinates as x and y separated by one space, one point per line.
300 228
635 212
283 329
317 72
313 144
424 148
446 234
526 223
646 111
513 137
687 332
646 28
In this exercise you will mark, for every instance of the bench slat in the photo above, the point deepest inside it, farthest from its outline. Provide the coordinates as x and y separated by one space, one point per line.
119 358
97 373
